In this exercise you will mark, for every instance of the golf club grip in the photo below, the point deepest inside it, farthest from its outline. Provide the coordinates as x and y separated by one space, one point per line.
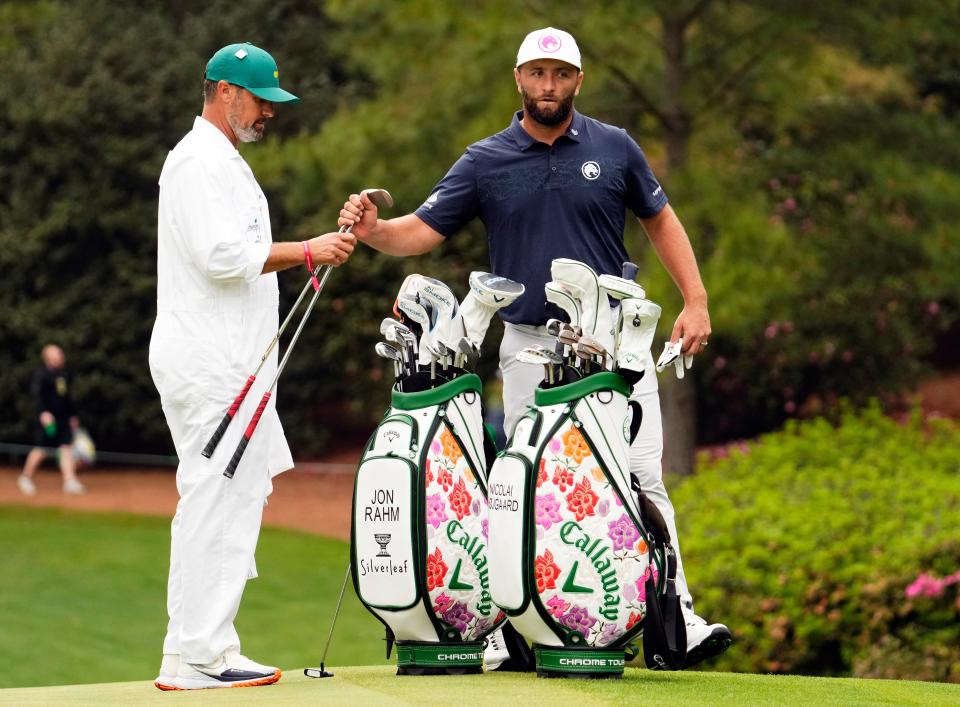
245 440
225 422
630 271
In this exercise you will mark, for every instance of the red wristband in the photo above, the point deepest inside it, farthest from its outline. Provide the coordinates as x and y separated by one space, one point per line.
309 258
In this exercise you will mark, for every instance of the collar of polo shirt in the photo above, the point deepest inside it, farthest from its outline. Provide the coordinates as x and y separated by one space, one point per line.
525 141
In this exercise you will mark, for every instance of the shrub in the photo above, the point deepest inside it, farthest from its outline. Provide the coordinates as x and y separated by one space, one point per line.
805 544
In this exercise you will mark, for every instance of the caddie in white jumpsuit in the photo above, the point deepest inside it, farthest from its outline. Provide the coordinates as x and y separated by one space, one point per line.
558 184
217 301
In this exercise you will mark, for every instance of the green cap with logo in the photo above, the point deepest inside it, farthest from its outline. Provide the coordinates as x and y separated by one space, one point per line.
250 67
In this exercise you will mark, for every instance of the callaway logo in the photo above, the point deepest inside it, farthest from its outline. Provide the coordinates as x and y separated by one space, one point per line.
391 435
590 170
431 200
549 43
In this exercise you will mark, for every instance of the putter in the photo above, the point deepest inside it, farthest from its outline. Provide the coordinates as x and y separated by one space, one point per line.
322 672
378 197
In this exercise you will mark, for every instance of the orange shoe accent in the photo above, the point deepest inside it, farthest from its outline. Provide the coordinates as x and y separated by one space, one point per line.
262 681
160 686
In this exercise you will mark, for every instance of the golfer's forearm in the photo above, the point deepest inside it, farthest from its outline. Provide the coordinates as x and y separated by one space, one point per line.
670 241
404 235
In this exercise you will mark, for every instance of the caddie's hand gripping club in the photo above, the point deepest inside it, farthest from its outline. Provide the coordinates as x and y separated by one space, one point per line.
380 197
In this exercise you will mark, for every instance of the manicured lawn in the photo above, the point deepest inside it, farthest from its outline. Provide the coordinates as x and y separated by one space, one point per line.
82 599
379 686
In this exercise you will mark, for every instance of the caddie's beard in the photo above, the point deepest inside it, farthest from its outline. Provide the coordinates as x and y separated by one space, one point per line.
250 133
551 118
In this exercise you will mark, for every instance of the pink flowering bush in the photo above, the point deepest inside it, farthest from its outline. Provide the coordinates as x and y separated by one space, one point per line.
831 549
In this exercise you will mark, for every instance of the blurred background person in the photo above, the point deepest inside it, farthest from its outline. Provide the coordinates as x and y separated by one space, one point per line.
55 423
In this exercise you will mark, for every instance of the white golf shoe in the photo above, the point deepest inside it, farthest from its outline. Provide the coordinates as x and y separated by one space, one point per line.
496 653
229 670
26 485
169 666
74 488
704 640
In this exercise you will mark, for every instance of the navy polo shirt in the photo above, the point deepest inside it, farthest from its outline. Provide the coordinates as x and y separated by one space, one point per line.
539 202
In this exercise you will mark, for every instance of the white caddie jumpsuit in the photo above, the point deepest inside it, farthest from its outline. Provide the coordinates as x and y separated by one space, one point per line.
521 379
216 314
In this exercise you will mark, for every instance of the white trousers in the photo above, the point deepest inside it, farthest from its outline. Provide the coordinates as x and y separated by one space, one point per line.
213 535
521 379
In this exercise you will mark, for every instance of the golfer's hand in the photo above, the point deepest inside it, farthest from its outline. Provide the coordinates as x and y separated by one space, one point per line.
332 248
360 213
693 326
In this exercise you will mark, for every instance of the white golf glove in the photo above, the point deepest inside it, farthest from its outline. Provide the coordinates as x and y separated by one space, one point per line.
671 354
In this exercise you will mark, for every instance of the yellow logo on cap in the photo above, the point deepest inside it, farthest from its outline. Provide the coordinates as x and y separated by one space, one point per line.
276 74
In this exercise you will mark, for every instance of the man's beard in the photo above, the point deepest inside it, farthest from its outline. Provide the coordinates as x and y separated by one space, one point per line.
559 114
250 133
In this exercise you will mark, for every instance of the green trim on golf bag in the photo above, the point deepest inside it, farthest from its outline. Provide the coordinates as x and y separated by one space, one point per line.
590 565
418 540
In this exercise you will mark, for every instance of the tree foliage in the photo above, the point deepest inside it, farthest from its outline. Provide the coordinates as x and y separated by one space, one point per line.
809 148
100 92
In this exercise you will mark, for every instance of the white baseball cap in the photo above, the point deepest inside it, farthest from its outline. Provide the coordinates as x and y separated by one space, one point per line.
549 43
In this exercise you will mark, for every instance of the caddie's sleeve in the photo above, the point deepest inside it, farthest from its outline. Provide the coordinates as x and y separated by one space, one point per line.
644 195
212 232
454 202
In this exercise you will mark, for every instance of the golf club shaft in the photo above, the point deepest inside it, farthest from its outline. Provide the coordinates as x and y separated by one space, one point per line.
254 421
336 613
228 416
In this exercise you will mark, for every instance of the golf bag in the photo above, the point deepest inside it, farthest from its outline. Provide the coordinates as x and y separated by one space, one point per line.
419 536
581 560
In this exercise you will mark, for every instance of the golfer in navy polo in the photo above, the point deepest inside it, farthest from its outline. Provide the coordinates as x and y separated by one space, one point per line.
557 184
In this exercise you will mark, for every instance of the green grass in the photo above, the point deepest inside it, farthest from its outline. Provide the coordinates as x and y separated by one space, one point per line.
82 599
379 686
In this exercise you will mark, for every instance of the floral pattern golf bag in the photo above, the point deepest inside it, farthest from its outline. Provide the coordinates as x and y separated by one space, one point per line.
580 559
419 537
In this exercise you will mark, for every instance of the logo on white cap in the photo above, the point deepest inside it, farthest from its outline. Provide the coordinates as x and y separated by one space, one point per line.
549 43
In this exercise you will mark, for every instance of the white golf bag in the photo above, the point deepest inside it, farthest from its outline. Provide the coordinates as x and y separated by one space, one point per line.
580 559
419 537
